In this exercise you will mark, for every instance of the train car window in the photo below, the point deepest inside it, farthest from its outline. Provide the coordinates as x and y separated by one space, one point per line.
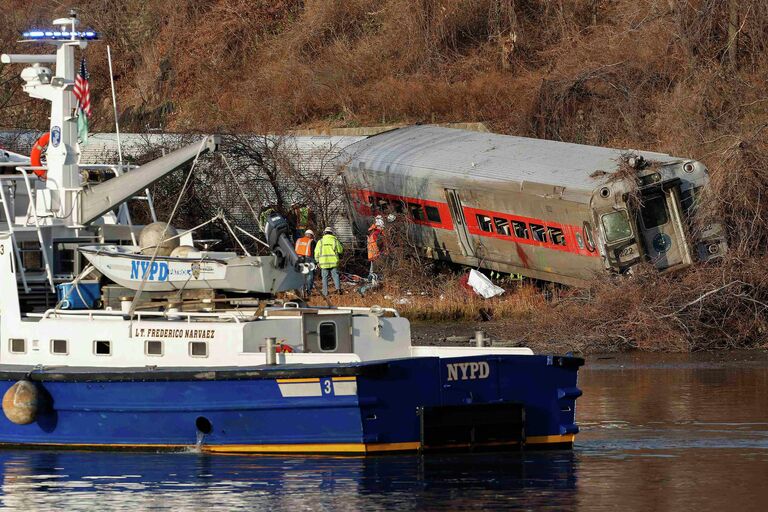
689 198
654 212
579 240
557 236
539 232
433 214
520 229
484 222
382 205
398 205
616 226
371 200
417 211
502 226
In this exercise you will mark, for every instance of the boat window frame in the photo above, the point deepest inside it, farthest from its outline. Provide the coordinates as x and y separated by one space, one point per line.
10 345
96 350
146 348
53 344
335 336
197 343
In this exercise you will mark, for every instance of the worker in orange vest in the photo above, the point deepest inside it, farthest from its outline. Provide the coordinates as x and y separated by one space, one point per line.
374 234
305 246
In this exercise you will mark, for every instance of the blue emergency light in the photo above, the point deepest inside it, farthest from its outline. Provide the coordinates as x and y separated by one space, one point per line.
60 34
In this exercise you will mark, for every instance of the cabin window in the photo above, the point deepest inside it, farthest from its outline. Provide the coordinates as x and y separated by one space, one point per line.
616 226
557 236
153 348
502 226
17 345
520 229
433 214
417 211
59 347
654 212
198 349
102 348
327 333
539 233
484 222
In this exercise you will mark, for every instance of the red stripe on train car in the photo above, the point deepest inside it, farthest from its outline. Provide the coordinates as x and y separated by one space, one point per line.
526 230
419 211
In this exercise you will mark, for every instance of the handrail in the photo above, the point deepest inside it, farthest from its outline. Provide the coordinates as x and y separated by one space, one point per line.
166 314
17 254
33 208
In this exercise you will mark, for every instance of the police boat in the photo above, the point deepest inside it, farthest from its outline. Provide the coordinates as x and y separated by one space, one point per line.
230 375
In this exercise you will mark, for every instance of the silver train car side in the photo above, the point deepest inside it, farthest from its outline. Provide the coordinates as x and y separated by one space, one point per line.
548 210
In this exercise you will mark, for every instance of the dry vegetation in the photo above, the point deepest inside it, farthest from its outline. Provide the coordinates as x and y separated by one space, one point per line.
683 77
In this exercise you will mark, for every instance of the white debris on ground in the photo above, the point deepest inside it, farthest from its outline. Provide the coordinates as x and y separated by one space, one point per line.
482 285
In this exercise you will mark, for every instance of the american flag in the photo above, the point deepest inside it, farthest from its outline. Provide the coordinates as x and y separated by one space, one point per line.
83 90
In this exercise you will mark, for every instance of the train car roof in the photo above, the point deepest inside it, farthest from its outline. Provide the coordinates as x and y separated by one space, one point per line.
432 150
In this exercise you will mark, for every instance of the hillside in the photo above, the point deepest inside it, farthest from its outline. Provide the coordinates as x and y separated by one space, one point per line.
686 78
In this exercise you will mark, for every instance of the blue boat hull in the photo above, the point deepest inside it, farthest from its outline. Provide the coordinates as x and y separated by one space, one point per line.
341 408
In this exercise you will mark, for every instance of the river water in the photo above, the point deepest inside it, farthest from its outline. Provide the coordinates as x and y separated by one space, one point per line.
659 432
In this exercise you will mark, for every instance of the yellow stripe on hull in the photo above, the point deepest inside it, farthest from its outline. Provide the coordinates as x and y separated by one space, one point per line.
348 448
292 381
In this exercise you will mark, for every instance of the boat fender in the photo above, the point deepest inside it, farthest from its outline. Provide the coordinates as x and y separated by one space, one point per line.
35 156
20 402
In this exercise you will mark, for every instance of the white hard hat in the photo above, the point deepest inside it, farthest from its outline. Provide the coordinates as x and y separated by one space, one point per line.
328 230
309 232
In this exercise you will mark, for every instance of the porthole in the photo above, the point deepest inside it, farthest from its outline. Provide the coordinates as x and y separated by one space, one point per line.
605 192
689 167
17 345
102 348
59 347
153 348
328 339
198 349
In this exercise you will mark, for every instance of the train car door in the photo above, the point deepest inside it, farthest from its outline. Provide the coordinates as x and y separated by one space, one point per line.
662 229
457 212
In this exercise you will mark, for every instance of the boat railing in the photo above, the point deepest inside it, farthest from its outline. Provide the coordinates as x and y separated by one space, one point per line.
31 212
139 315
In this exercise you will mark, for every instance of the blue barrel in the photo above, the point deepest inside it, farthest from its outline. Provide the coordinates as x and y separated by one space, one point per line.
81 296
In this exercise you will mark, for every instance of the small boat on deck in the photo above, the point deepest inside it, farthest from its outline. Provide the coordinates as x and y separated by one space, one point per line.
227 271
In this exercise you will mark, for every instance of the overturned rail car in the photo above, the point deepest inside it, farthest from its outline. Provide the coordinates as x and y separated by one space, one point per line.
548 210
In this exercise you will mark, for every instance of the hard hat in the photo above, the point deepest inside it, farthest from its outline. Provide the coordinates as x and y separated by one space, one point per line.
309 232
328 230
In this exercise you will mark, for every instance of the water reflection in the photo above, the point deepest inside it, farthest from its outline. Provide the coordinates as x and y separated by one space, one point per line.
659 432
77 480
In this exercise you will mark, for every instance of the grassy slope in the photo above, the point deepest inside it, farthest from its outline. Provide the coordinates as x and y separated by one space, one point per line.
686 78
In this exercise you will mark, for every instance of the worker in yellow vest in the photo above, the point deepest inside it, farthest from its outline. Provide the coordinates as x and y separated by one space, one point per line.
327 252
305 246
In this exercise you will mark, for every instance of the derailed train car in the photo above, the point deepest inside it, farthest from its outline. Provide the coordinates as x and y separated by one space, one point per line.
548 210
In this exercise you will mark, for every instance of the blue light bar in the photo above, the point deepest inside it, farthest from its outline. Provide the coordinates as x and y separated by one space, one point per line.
60 35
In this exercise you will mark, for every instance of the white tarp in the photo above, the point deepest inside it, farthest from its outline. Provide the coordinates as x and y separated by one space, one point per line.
482 285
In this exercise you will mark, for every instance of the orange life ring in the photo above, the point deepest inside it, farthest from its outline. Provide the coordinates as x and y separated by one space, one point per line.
37 153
